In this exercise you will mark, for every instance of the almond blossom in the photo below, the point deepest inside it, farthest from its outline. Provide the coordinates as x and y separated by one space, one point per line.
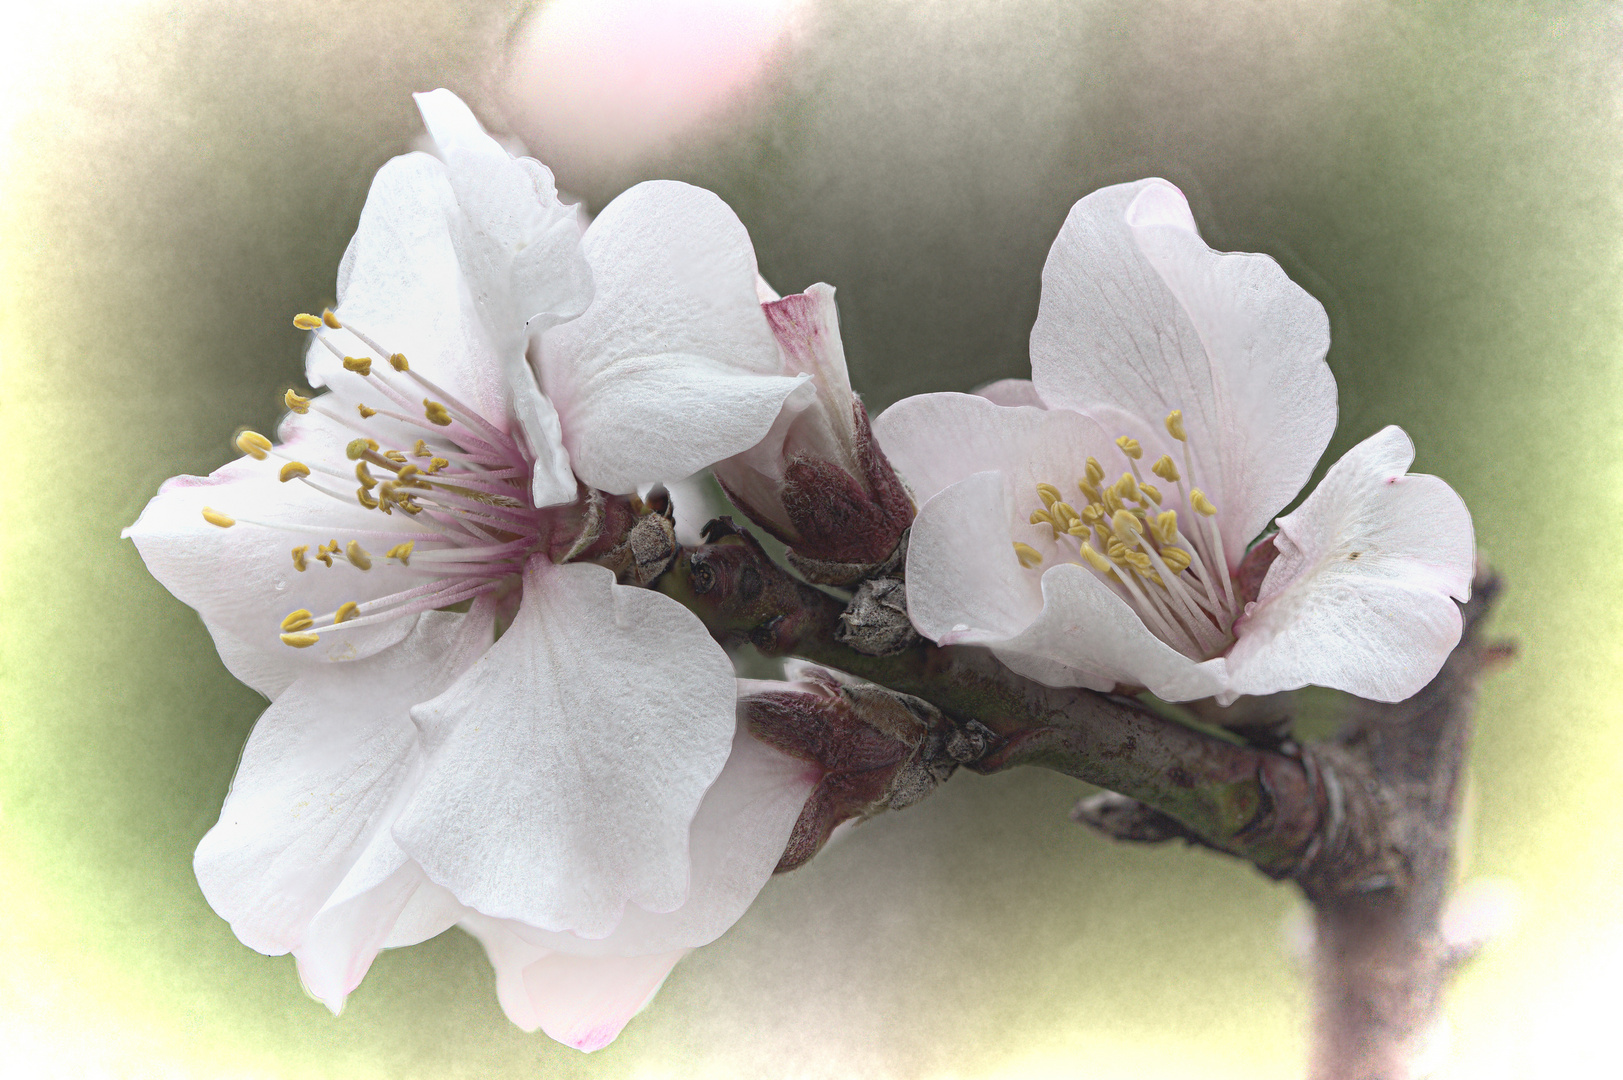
466 725
1093 526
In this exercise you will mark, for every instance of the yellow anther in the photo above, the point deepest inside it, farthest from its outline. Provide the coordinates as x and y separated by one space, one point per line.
1117 550
437 414
360 365
366 413
1165 469
1127 488
214 517
1040 517
1029 556
395 456
298 557
297 402
1096 471
306 322
331 320
1106 537
364 475
436 465
1174 424
253 444
1165 528
1049 494
420 450
1091 514
298 620
1096 560
357 448
1110 500
398 362
402 552
410 507
1130 447
294 470
365 499
1139 561
1065 514
1126 527
1203 506
300 641
1150 492
1177 559
1089 492
357 555
346 611
408 477
326 551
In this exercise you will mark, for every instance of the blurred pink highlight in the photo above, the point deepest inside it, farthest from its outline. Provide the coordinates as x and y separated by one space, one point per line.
606 81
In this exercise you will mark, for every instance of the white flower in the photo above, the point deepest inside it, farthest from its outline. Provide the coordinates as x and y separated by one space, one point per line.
543 761
1092 529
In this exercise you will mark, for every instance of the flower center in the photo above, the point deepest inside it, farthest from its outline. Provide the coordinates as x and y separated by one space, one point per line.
459 481
1160 550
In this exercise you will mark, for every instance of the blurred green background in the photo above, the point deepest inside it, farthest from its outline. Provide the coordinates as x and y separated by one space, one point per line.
181 178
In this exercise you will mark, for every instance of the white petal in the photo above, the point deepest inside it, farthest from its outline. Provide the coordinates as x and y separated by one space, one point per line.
1088 636
580 1001
935 440
242 579
673 367
265 671
565 768
552 482
736 840
342 940
1139 317
323 772
1359 598
1011 392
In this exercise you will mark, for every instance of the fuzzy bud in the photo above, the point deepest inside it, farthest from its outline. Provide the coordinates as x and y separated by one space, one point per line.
818 481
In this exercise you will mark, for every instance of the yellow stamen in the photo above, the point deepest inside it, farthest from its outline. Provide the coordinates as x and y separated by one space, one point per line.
357 448
366 413
1126 527
1110 500
1130 447
365 499
297 402
346 611
1092 513
1041 517
402 552
436 465
1177 559
408 476
294 470
1065 514
360 365
298 557
1174 424
1165 469
420 450
1049 494
214 517
395 456
326 551
357 555
253 444
398 362
1029 556
1138 561
364 475
1096 560
298 620
1127 488
1203 506
1165 528
1088 490
331 320
1096 471
1151 492
306 322
300 641
437 414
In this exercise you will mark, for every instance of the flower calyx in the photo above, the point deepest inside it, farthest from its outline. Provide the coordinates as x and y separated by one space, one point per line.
634 537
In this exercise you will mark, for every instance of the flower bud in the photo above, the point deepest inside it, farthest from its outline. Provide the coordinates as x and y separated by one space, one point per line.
876 749
818 481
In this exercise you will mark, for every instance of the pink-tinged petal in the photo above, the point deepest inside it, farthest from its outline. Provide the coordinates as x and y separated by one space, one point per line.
1139 317
1361 596
322 774
581 1001
736 840
673 367
565 768
936 440
519 246
243 580
964 582
342 940
1088 636
1011 392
